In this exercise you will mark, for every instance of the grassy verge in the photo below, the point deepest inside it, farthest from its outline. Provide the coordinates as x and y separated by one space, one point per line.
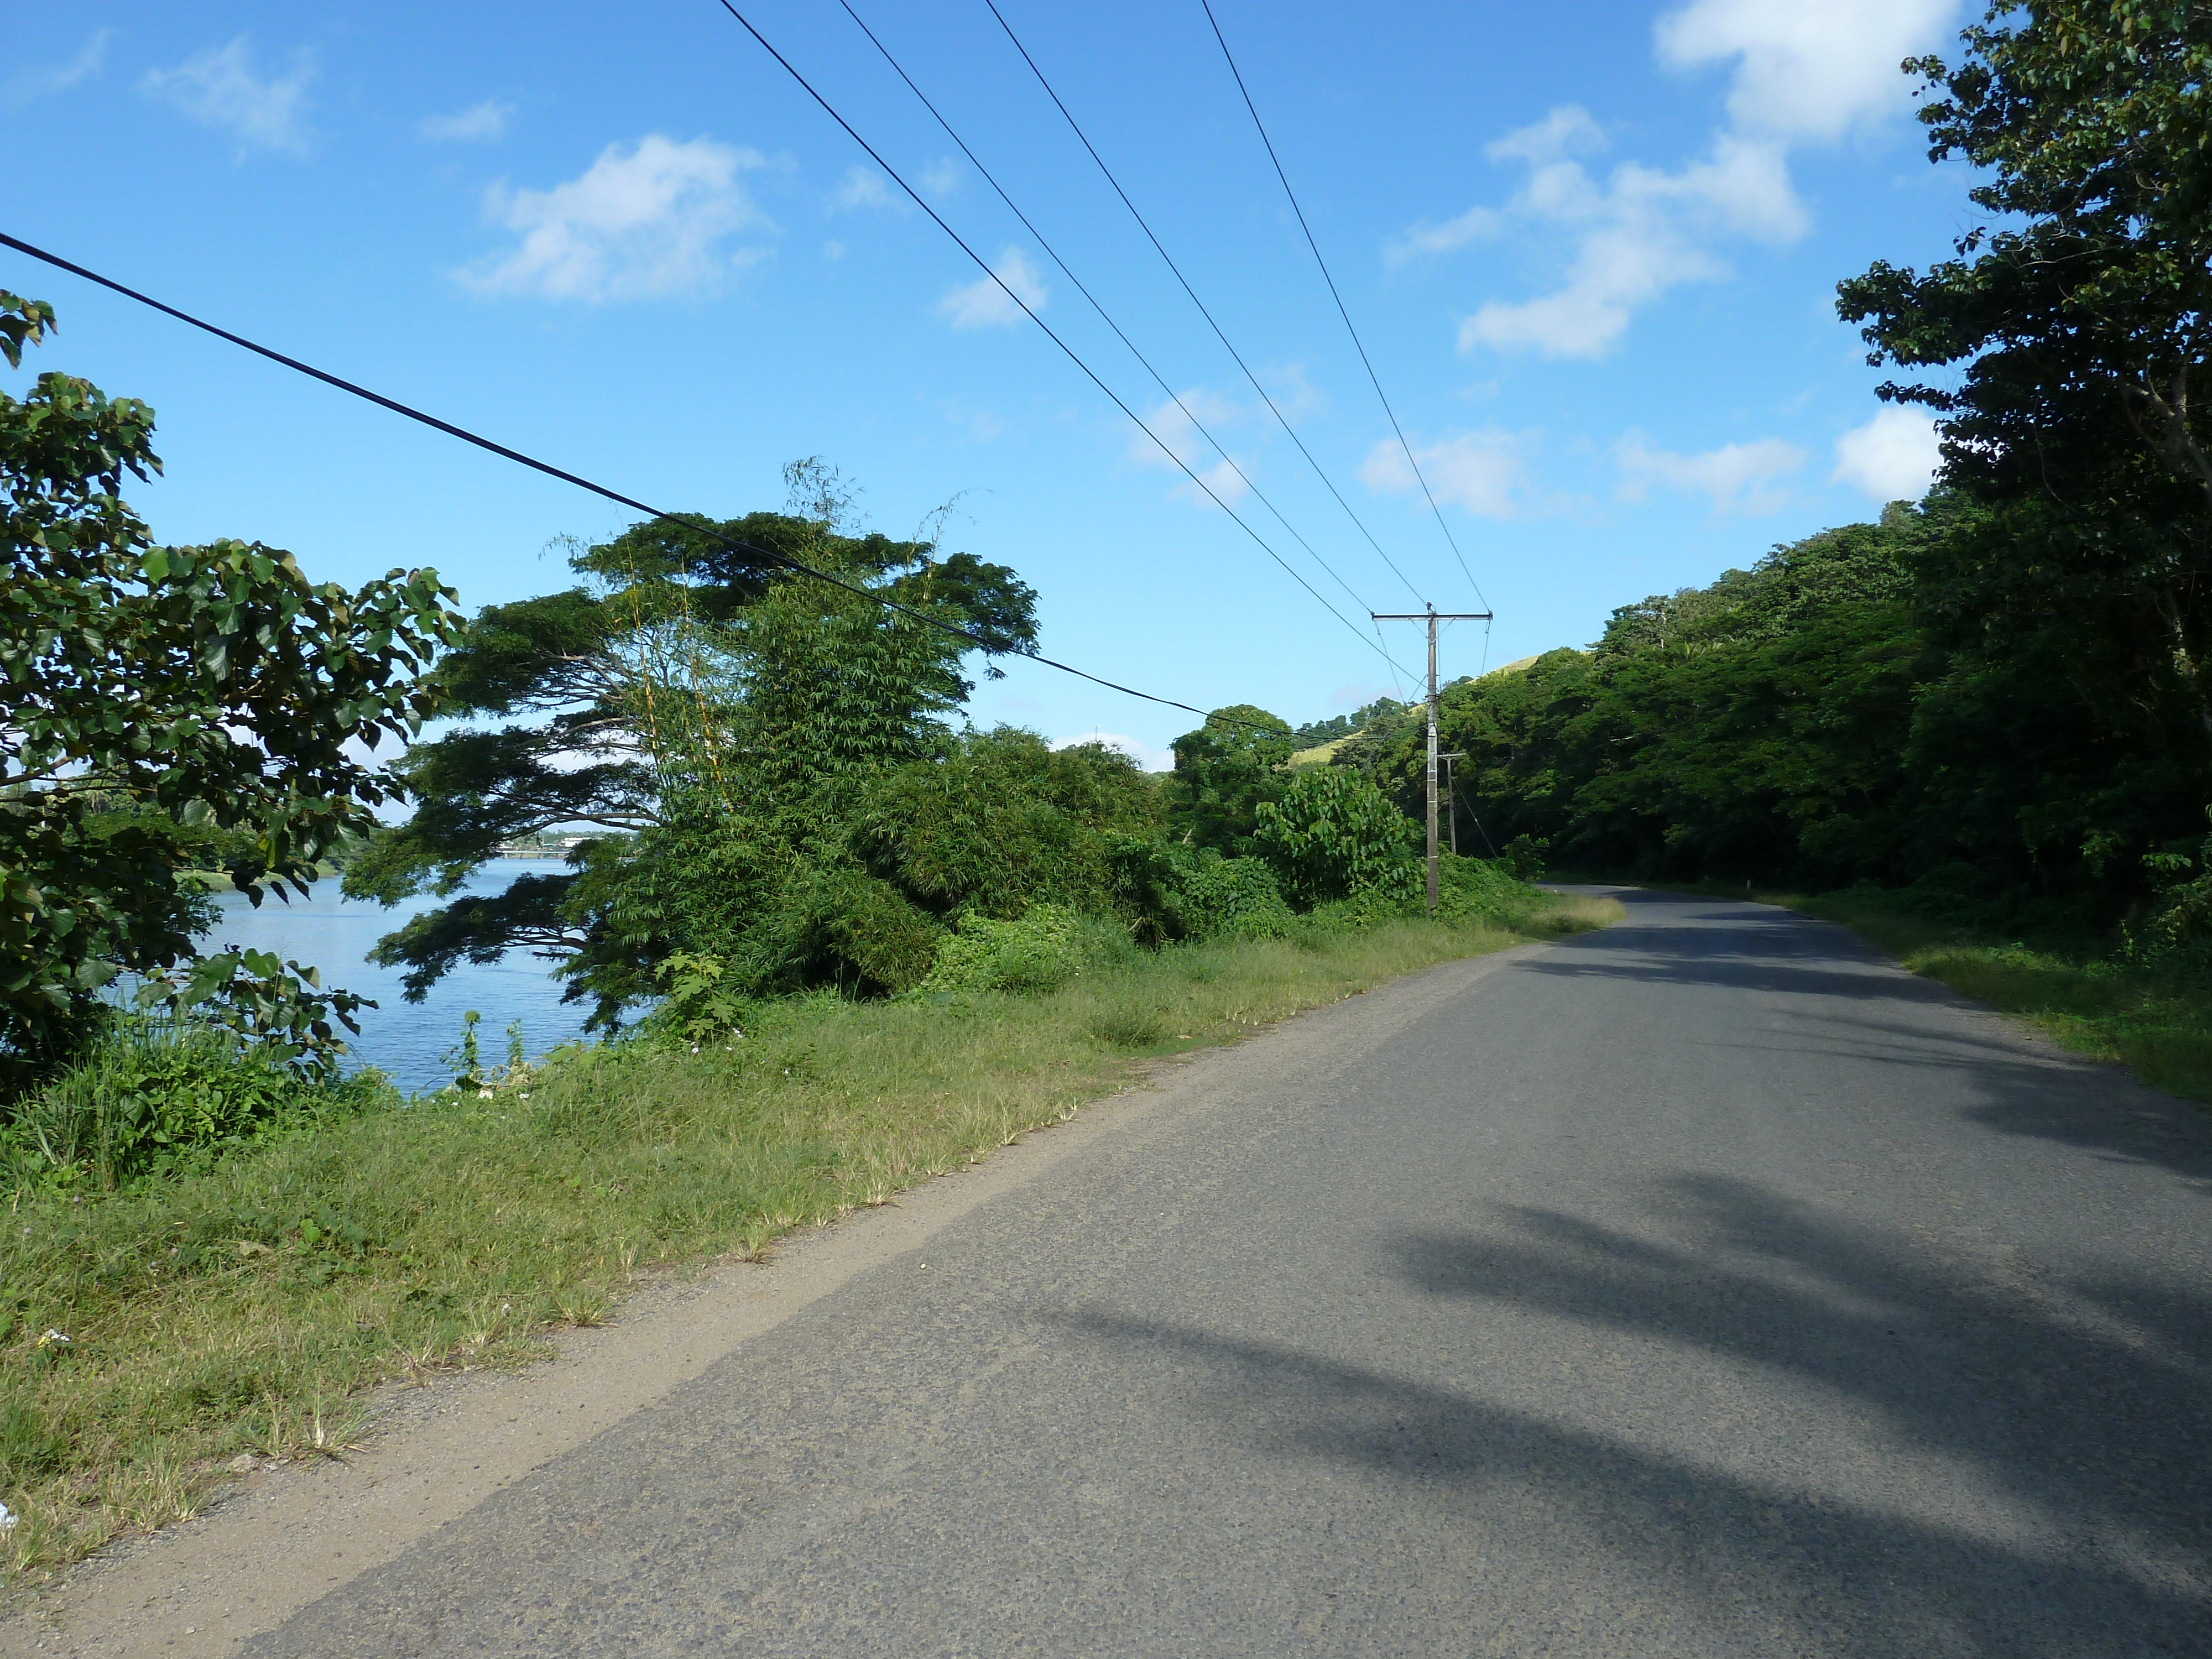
2157 1021
240 1309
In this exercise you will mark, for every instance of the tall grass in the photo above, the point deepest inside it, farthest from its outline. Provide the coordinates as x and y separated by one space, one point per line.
2154 1017
237 1308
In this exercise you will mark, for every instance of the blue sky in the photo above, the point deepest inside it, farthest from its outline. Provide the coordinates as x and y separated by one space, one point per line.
1592 251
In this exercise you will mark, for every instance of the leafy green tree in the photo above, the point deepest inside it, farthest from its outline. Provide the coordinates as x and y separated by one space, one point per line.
1223 772
721 718
2082 309
1332 833
998 822
147 693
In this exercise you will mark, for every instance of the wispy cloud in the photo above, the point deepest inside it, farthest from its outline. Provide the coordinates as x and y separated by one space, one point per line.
30 83
479 124
643 223
220 87
1893 457
1736 479
1293 393
1637 234
1485 472
863 187
1798 74
984 303
1176 422
1421 240
940 178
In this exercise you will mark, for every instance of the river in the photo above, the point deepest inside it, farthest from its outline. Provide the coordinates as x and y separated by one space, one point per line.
407 1039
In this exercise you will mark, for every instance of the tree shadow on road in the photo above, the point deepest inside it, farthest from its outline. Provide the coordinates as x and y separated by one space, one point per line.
1880 1015
2074 1411
1665 956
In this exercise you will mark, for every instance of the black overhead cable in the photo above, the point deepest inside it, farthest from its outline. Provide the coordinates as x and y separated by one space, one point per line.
1218 334
1340 310
998 648
1053 254
1091 374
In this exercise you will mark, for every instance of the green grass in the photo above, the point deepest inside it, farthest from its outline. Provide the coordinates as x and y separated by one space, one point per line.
244 1307
2155 1020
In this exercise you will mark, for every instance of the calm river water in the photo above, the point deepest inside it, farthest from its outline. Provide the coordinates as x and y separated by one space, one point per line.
407 1039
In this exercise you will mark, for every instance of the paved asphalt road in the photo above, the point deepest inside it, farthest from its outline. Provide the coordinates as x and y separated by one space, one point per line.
1704 1286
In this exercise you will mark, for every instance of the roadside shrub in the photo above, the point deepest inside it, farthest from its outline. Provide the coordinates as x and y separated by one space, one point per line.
1523 858
1467 889
151 1092
1470 889
2178 933
1218 897
1001 821
1039 952
837 926
699 1000
1331 834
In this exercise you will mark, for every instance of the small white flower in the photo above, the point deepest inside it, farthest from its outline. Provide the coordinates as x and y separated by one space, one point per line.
484 1094
53 1339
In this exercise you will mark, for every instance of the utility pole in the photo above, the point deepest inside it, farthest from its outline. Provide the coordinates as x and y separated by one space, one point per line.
1432 618
1451 797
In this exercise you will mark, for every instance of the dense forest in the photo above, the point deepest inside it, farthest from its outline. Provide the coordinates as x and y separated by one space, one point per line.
1865 706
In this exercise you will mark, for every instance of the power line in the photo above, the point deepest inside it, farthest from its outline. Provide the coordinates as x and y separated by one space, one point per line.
1318 471
1069 351
1053 254
1340 309
997 648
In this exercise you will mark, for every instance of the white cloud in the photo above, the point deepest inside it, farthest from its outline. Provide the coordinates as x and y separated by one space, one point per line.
1175 422
978 425
984 303
479 124
1893 457
1151 759
1567 131
1477 224
1804 70
644 222
1736 479
38 82
1639 233
940 178
219 88
1481 472
1293 394
863 187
